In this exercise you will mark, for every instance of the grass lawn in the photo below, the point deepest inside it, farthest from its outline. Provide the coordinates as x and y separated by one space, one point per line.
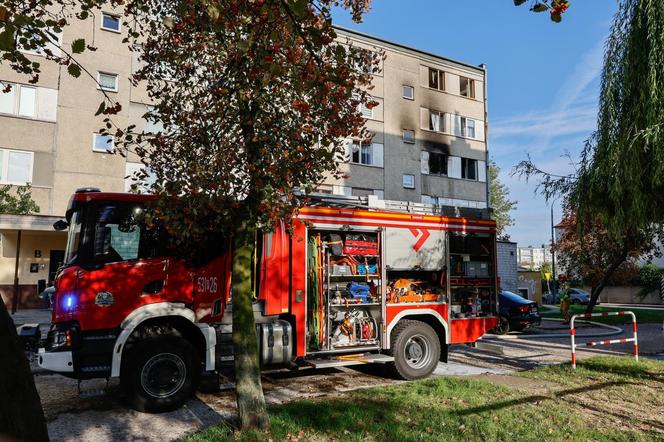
608 398
642 315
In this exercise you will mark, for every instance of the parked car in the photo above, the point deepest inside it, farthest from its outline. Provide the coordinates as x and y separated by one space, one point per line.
516 313
579 296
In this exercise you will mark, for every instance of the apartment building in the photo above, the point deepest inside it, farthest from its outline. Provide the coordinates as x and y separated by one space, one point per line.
533 257
428 146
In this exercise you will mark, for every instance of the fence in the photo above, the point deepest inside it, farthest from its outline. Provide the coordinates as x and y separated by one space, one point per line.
572 333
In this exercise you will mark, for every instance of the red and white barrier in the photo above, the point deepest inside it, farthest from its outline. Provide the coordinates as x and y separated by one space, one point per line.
572 333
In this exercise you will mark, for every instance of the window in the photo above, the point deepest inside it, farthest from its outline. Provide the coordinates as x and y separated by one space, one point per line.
107 82
436 121
27 101
368 154
467 87
153 123
437 163
102 143
110 22
468 169
20 100
367 112
15 166
436 79
408 92
468 127
408 136
39 41
409 181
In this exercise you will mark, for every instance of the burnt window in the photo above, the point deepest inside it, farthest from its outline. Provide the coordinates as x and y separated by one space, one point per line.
437 163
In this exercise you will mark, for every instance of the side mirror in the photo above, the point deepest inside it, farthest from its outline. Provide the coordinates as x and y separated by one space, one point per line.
60 225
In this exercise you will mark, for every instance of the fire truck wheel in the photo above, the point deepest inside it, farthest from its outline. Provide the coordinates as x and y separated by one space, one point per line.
503 326
161 374
416 350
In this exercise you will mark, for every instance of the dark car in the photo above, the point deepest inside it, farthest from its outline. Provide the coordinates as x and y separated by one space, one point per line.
516 313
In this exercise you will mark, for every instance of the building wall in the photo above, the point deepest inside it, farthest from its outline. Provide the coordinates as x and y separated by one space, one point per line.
530 284
507 266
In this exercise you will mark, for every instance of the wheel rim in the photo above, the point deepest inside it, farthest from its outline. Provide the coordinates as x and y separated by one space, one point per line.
163 375
418 352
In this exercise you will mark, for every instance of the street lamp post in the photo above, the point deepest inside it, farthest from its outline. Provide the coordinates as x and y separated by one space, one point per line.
553 259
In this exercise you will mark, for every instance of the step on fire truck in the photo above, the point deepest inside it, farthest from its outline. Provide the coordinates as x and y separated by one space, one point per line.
354 281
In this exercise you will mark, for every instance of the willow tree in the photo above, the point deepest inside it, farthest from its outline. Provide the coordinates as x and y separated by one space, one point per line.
619 180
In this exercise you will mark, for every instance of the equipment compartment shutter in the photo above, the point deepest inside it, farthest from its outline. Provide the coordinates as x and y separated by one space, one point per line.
409 248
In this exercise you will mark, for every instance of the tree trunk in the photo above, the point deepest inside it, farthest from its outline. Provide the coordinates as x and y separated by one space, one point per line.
249 391
596 290
21 413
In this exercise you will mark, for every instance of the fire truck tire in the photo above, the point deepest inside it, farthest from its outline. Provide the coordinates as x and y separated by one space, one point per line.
416 350
161 374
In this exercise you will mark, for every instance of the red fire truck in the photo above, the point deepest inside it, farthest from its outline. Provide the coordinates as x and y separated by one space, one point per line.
354 281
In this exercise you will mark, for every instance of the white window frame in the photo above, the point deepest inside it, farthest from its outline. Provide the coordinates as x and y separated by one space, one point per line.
100 87
441 119
405 87
105 150
101 24
463 169
408 140
17 100
403 180
373 155
4 167
464 127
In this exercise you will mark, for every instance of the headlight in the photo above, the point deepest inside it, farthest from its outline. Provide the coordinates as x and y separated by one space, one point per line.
58 339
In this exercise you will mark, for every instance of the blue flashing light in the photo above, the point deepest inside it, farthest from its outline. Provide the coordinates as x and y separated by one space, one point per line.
69 302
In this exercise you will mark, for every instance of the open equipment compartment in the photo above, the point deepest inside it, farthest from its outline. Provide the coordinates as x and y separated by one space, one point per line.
472 275
345 290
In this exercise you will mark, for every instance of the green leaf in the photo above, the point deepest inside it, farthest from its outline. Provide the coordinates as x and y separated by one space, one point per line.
556 17
539 7
74 70
101 108
519 2
7 41
78 46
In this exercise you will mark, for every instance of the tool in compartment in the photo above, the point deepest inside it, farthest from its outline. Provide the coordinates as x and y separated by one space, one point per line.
354 327
407 290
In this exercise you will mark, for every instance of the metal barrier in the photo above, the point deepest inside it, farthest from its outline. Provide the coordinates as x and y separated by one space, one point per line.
572 333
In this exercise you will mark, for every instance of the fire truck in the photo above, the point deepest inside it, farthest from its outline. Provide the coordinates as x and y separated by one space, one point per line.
352 281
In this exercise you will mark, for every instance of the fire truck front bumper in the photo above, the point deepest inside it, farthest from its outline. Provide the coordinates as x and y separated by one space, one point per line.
57 361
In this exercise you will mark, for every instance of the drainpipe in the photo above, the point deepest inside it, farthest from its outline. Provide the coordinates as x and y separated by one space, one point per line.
486 137
18 253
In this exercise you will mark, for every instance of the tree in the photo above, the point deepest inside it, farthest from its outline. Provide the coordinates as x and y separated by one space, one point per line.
595 254
18 203
21 413
555 7
259 99
619 180
500 202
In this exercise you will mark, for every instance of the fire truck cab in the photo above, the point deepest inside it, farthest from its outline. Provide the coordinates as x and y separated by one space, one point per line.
354 281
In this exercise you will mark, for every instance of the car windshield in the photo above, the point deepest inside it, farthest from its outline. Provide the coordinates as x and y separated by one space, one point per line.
73 237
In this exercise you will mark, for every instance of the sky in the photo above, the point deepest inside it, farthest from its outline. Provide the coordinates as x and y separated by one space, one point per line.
543 80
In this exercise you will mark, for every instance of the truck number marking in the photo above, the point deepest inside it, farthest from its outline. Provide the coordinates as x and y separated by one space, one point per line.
207 284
